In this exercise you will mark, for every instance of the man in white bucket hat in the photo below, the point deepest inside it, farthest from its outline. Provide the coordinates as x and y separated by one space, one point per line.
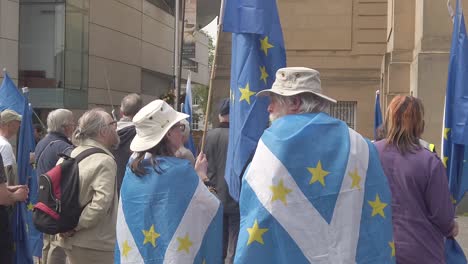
166 213
305 196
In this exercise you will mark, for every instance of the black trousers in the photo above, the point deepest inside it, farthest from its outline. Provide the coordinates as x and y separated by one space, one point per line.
6 238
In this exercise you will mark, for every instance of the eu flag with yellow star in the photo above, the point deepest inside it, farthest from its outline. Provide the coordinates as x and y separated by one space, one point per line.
167 216
257 53
27 239
315 192
455 132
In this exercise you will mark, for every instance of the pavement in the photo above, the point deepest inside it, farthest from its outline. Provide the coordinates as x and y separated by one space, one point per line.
462 237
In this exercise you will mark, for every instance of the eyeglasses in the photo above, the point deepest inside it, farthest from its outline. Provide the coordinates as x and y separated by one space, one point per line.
180 126
113 123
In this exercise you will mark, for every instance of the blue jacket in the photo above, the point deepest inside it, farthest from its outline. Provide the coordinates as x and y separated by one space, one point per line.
47 150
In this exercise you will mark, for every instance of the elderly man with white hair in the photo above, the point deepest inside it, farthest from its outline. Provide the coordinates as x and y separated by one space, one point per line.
93 239
315 191
60 127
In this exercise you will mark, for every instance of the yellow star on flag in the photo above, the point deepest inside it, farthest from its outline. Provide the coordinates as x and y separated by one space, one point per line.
264 74
246 93
125 248
279 192
356 179
204 261
453 199
30 206
184 243
318 174
256 233
444 161
392 246
265 45
446 131
377 206
150 236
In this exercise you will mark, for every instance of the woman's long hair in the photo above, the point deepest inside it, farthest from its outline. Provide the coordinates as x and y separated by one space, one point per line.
404 123
161 149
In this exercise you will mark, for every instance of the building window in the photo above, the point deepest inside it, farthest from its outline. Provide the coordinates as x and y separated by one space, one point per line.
345 111
53 52
167 6
155 83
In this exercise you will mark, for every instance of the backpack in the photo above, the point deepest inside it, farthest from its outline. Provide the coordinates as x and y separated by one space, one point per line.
58 208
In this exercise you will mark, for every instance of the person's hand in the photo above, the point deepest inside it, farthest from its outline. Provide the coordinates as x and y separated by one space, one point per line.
16 187
21 194
68 233
455 230
201 166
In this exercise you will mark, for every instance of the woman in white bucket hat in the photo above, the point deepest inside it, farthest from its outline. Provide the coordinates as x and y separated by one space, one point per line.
166 213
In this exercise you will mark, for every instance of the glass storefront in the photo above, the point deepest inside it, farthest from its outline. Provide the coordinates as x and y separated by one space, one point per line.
53 52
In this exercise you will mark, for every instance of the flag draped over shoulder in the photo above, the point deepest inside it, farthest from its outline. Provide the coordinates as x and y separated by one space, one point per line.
257 53
28 241
188 107
323 198
168 216
455 131
377 114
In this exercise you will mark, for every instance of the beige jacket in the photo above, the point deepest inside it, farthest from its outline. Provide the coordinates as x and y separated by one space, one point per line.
98 192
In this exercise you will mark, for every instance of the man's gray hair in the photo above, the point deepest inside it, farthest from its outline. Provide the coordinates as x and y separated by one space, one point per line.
89 125
131 104
58 119
310 103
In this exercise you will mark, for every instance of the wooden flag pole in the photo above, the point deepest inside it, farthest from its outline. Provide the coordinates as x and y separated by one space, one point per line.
213 69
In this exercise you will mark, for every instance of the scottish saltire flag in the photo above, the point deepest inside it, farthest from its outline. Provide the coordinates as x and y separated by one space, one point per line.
377 113
315 192
455 132
257 53
188 110
168 216
28 241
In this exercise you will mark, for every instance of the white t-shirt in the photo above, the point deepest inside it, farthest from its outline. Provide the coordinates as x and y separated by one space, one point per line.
7 152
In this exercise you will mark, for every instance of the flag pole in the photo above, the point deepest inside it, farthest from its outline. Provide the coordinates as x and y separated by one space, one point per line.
213 69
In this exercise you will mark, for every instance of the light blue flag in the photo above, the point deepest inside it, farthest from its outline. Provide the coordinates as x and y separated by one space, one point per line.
377 114
322 197
188 107
10 98
257 53
455 132
168 216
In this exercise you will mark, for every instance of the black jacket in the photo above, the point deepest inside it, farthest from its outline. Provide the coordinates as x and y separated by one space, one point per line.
123 153
216 154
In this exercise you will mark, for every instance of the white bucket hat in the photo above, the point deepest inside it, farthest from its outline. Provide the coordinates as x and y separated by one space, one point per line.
152 123
295 80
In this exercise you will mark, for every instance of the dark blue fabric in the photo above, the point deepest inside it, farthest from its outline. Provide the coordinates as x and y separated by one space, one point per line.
47 151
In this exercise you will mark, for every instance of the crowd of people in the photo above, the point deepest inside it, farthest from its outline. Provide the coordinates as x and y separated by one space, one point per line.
145 172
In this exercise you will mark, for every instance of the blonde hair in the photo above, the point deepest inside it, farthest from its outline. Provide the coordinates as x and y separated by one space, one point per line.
404 123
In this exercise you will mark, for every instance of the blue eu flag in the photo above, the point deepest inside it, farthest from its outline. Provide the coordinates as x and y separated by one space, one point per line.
188 110
27 239
377 114
455 132
257 53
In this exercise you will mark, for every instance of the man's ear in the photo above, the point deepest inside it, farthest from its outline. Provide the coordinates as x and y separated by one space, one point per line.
295 105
